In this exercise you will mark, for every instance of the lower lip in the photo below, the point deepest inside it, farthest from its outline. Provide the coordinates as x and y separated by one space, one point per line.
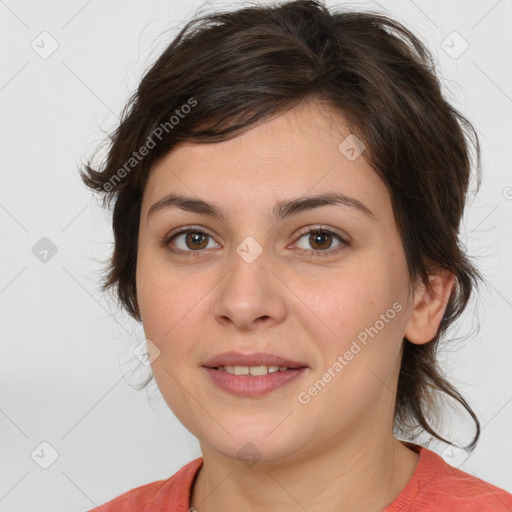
253 386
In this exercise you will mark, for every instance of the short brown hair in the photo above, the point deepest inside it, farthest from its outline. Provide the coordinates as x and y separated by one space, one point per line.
236 68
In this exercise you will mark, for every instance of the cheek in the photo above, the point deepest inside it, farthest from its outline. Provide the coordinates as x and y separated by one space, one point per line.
352 300
176 309
360 360
364 311
167 302
171 310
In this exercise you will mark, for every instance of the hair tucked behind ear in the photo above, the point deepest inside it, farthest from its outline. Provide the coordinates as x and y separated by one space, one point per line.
244 66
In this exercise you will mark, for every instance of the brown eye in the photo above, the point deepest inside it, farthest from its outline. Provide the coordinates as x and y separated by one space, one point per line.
321 241
188 241
196 240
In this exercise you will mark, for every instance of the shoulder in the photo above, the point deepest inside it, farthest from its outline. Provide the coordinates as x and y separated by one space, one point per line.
174 492
444 487
135 499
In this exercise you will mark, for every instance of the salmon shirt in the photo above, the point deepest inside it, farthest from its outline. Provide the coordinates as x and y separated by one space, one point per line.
435 486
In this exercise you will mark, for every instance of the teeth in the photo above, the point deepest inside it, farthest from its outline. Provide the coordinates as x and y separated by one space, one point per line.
252 370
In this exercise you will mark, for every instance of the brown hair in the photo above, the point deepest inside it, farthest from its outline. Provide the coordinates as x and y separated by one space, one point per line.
233 69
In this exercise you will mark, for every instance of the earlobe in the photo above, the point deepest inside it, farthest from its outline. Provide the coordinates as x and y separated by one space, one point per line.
429 307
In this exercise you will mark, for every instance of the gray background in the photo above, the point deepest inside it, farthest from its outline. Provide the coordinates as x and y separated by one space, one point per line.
67 366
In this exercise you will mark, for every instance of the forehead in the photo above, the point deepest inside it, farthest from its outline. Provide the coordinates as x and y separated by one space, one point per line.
298 153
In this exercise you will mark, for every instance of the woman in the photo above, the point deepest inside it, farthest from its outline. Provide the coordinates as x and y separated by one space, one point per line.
288 186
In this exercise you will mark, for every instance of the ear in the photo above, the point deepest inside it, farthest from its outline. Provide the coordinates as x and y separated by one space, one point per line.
429 308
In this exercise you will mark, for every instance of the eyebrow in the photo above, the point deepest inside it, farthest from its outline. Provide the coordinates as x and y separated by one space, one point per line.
281 210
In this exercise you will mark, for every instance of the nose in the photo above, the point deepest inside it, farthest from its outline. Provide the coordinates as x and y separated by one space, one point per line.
249 295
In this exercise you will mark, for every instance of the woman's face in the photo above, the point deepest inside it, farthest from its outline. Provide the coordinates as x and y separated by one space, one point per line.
252 283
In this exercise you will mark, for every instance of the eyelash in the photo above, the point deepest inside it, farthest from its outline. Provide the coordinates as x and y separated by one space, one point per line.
165 242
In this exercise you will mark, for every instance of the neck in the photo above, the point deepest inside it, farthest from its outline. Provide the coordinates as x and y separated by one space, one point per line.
366 475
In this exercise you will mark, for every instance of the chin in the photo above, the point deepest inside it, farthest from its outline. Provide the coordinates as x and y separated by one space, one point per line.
250 451
251 442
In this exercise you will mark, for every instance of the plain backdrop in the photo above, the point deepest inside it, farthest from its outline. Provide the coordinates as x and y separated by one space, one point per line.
67 372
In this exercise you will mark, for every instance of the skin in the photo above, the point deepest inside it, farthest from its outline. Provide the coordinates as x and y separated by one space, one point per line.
337 452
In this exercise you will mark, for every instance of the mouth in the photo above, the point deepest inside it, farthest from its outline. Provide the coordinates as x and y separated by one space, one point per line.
254 370
259 363
252 375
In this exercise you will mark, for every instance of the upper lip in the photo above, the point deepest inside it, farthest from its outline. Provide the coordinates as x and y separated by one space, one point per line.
254 359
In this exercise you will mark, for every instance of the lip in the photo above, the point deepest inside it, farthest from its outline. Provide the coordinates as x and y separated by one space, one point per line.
255 359
252 386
